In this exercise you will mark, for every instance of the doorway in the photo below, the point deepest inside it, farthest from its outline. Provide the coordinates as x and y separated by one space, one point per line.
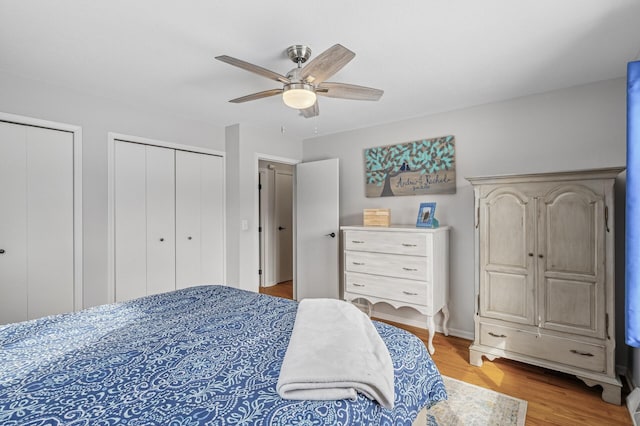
275 222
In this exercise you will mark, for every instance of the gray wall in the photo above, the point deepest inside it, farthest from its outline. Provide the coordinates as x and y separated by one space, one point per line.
576 128
97 117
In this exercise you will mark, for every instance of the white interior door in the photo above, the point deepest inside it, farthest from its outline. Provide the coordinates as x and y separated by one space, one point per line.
161 213
130 221
188 219
199 219
13 226
267 224
317 229
212 226
50 221
284 225
36 222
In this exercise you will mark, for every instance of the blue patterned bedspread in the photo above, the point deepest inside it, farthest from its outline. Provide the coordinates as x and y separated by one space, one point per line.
206 355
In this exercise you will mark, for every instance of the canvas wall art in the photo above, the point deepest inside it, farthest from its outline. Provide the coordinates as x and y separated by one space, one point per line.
426 166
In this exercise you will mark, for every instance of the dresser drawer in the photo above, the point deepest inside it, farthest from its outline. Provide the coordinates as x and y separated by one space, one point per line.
407 291
410 267
388 242
543 346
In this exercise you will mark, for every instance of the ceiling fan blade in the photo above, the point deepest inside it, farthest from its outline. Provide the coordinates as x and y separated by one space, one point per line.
312 111
254 96
348 91
326 64
253 68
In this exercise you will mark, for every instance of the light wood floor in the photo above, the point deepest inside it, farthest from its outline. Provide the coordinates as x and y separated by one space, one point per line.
553 398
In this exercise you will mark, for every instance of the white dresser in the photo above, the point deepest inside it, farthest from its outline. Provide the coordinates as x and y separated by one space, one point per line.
544 273
403 266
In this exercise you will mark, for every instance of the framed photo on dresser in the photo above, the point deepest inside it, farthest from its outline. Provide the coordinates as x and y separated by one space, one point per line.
426 215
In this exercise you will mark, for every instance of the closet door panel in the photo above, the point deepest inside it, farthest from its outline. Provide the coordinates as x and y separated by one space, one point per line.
188 219
161 250
130 221
13 223
212 225
50 221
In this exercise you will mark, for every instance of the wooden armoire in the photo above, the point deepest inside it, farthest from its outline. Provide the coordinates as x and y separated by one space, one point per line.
544 280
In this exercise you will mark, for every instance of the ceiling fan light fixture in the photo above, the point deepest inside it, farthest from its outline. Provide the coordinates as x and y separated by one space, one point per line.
299 95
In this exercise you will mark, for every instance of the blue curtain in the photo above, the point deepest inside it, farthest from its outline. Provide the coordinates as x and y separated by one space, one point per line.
632 271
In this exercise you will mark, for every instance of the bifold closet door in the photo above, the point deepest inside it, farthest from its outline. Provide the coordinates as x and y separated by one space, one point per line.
36 222
144 220
199 219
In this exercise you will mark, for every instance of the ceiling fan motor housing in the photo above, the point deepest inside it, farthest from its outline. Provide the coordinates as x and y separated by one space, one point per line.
299 53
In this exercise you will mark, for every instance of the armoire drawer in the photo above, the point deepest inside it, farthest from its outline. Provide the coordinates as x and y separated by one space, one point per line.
408 291
387 242
410 267
544 346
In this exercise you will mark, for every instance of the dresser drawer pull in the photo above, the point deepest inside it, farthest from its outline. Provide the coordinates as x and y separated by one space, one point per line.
358 285
409 245
408 293
358 263
409 269
357 242
573 351
502 336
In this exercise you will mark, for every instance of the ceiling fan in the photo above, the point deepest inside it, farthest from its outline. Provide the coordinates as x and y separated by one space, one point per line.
302 84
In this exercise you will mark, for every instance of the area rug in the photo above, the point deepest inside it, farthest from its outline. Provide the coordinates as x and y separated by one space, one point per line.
472 405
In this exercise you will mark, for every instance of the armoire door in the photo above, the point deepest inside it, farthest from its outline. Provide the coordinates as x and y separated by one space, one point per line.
507 235
37 222
571 260
199 219
144 220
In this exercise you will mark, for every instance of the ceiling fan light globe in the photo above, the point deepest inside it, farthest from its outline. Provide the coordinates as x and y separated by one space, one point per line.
299 96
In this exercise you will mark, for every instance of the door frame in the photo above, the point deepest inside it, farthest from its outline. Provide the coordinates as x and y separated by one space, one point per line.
111 229
78 302
256 212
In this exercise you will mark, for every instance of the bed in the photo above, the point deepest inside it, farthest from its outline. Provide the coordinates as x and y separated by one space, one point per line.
207 355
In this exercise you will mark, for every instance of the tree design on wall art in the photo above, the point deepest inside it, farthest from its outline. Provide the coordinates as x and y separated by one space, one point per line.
426 166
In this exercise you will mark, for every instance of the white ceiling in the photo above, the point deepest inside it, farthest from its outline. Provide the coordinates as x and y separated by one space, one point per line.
427 55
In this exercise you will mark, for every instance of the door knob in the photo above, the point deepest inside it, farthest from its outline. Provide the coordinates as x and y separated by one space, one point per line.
280 228
332 235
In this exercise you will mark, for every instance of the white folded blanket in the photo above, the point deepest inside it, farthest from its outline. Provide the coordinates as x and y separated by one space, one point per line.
335 352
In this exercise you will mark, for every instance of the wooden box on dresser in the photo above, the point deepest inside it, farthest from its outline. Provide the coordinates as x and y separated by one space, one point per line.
544 280
403 266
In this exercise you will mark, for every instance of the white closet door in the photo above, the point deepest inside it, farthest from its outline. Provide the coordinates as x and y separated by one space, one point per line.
130 221
36 227
212 228
161 243
50 219
13 226
199 219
